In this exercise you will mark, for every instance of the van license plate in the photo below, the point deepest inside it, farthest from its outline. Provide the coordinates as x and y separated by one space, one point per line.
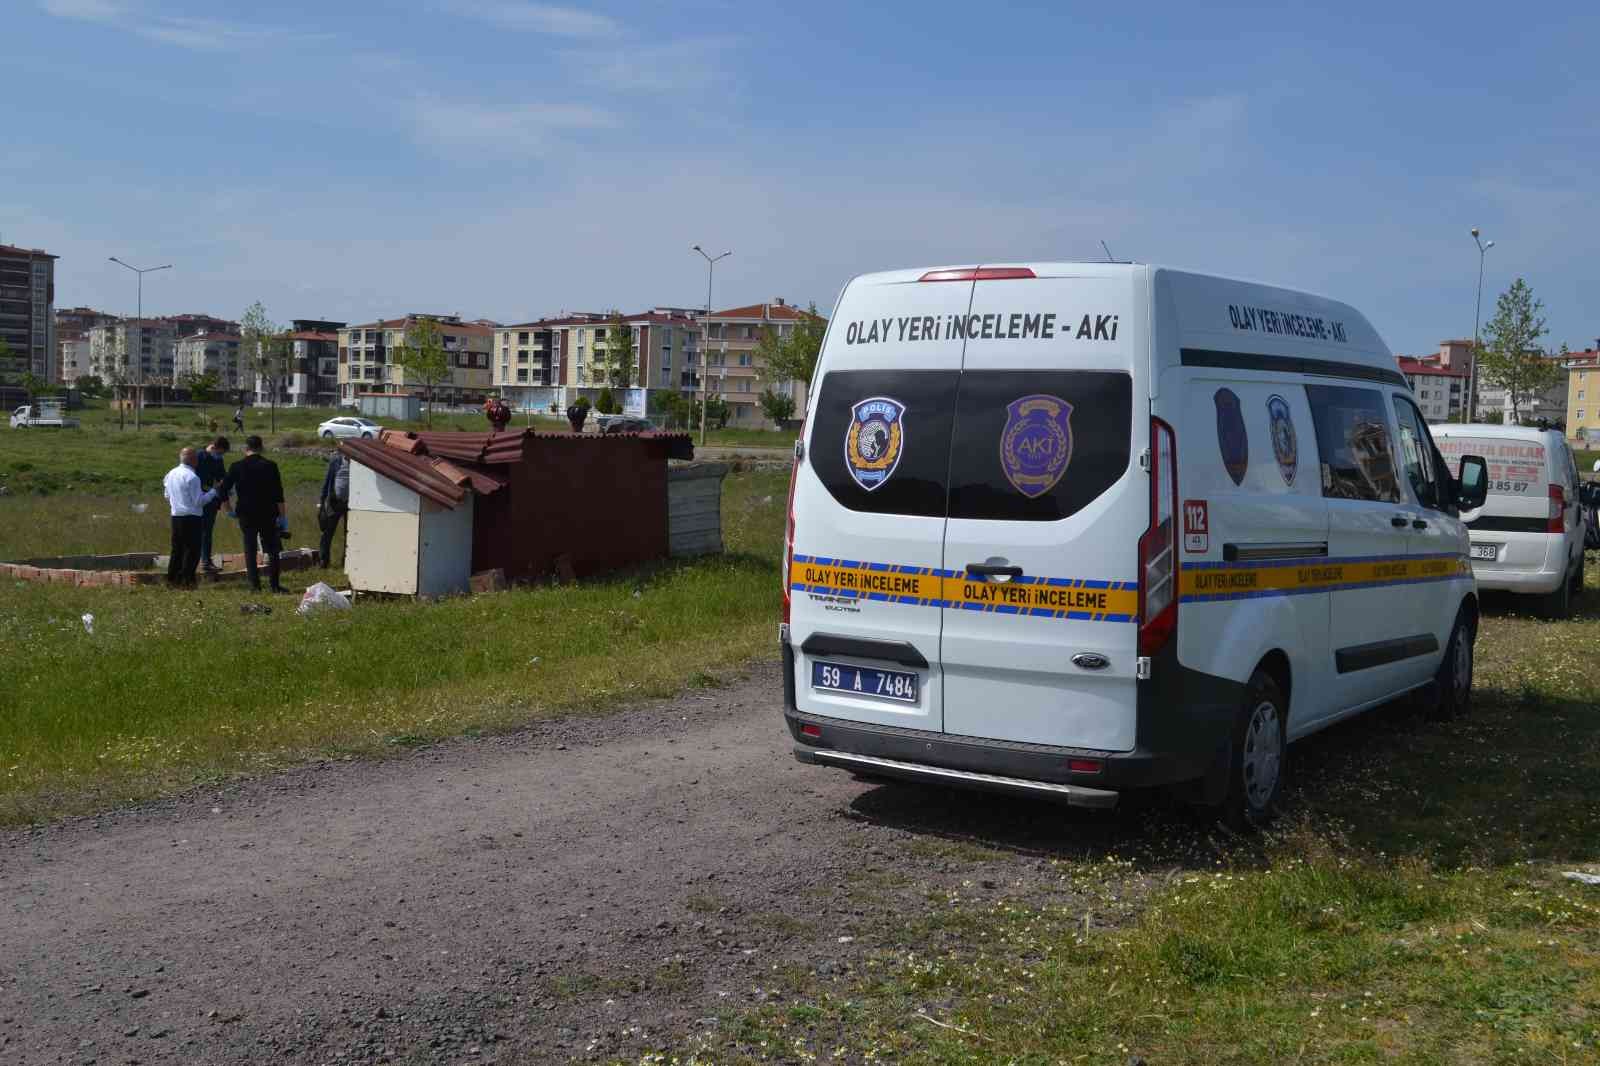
1490 552
894 685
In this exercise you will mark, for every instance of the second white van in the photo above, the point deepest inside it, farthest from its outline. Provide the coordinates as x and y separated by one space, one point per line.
1528 536
1066 529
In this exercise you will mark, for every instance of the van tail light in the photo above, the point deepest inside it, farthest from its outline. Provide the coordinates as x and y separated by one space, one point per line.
788 532
1558 510
1158 548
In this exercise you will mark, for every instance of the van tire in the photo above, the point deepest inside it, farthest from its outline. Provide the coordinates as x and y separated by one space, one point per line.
1454 679
1259 759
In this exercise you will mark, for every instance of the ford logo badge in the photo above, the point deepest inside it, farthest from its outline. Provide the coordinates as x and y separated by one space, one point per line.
1088 660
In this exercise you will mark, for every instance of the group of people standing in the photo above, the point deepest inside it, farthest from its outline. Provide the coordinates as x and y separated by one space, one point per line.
251 490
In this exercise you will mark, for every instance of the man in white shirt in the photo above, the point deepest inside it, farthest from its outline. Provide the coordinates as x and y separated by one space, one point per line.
181 486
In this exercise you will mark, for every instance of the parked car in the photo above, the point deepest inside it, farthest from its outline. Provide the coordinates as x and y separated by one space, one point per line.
625 424
348 426
1153 540
1528 536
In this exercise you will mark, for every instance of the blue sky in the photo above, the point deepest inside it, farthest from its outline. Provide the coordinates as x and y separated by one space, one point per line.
510 159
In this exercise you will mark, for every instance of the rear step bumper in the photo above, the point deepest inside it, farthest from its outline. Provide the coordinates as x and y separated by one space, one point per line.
872 765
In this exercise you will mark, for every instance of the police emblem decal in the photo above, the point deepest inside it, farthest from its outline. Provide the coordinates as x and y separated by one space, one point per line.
1232 437
1036 444
1284 444
874 440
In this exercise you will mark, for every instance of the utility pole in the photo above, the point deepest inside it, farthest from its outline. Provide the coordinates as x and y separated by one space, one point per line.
705 345
138 402
1477 315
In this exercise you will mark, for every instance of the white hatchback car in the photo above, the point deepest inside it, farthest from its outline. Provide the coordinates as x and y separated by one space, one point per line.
348 426
1528 536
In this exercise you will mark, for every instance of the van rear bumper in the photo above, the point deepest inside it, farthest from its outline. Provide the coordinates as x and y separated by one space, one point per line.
1185 726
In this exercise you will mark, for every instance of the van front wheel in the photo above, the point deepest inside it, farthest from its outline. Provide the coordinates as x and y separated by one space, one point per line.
1255 778
1455 673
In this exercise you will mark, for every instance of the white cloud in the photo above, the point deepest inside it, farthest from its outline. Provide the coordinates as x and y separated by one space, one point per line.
518 130
196 34
689 63
537 18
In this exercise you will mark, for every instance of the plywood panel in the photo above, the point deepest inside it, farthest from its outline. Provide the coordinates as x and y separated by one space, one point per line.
371 491
381 553
445 565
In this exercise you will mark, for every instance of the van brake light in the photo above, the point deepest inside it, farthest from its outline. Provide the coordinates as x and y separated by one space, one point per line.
1158 548
1558 510
979 274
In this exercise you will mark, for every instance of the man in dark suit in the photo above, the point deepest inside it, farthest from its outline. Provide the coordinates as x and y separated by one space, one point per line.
263 518
211 468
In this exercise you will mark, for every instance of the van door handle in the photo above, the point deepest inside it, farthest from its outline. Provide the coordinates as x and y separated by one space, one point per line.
1399 521
993 570
1417 523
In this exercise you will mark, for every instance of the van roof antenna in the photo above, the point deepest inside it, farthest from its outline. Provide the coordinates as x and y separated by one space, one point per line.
1109 257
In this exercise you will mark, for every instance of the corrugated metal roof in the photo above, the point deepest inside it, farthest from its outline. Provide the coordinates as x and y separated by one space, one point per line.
445 467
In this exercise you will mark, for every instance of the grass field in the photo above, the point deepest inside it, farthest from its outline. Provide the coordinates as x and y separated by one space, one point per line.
174 688
1409 908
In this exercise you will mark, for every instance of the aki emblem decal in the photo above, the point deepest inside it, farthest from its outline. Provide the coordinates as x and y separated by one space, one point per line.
1284 445
1036 444
875 440
1232 438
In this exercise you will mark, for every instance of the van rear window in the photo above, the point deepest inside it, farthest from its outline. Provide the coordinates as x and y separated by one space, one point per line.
855 450
1038 446
1516 467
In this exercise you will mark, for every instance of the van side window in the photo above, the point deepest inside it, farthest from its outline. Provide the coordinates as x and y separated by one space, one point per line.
1357 454
1416 453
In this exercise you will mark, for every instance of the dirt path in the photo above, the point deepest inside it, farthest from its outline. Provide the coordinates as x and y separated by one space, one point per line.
592 888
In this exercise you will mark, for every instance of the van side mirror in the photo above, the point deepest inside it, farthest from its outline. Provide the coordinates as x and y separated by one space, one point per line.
1472 483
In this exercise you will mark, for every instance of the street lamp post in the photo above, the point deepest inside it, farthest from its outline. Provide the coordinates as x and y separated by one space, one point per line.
1477 315
705 347
138 403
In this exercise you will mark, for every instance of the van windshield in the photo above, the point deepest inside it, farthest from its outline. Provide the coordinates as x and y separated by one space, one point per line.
1516 467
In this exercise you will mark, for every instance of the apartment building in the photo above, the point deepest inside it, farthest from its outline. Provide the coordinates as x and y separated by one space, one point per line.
1549 406
366 359
1583 396
1440 391
27 311
133 351
527 364
728 343
314 363
210 353
72 340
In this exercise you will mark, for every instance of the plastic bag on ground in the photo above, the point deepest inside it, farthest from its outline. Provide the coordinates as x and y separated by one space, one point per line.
320 597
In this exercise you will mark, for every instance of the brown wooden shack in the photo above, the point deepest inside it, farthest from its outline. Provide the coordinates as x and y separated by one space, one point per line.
600 501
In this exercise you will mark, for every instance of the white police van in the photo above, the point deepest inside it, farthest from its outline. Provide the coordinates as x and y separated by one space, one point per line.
1070 528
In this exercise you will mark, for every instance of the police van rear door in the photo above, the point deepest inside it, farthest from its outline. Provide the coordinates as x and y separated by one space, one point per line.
869 504
1047 504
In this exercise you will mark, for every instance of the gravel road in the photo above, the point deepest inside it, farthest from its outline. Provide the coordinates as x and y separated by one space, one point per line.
589 888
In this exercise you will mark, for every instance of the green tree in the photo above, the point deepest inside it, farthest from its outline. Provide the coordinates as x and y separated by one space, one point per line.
617 369
33 384
717 412
422 356
1510 357
266 350
90 386
201 386
778 406
792 358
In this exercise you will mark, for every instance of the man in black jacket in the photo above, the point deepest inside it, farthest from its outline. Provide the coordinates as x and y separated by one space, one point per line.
262 515
211 469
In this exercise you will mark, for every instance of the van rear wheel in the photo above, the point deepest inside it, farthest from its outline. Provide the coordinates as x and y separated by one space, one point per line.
1260 750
